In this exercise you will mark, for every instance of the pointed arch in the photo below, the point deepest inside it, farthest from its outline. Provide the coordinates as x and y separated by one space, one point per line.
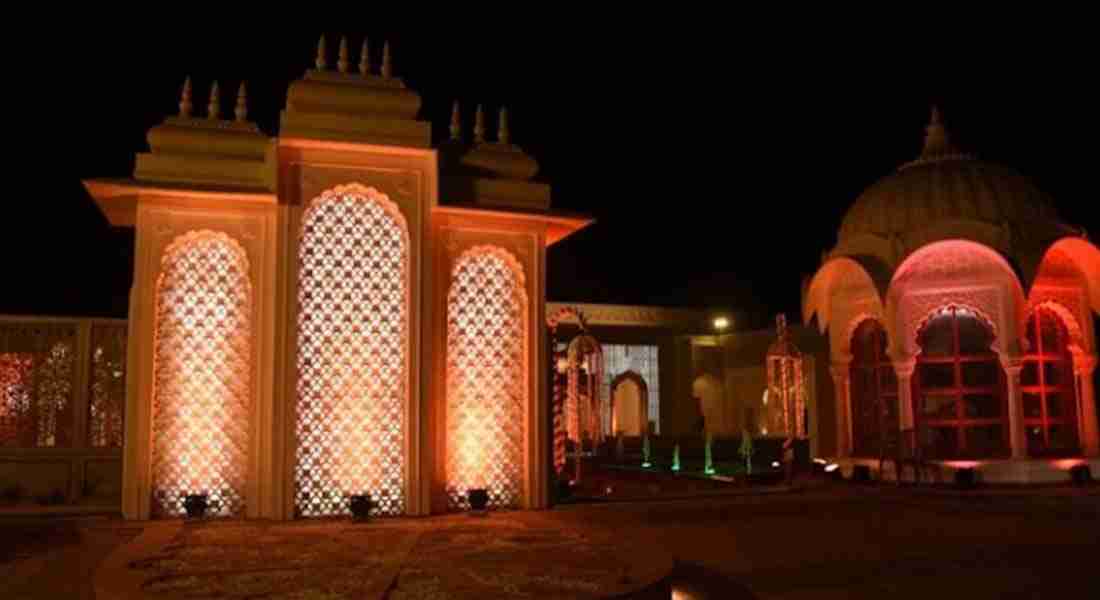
641 412
353 353
487 378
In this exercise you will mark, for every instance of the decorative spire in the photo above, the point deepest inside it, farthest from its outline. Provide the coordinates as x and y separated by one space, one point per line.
479 126
214 108
781 326
241 111
936 140
321 62
456 123
185 98
342 62
387 61
504 136
364 58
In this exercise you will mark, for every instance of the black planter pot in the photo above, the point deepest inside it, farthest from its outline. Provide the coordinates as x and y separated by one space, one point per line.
861 474
479 499
966 478
1080 475
196 505
360 506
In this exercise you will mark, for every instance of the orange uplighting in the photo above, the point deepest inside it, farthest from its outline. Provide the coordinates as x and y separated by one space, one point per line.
486 377
202 358
352 353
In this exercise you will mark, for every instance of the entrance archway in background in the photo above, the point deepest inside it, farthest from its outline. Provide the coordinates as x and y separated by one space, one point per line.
708 389
629 404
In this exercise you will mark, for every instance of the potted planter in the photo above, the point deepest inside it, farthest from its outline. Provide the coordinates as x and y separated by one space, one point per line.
479 499
1080 475
196 505
966 478
360 505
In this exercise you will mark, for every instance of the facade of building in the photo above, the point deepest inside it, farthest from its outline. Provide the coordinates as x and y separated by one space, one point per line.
959 312
338 310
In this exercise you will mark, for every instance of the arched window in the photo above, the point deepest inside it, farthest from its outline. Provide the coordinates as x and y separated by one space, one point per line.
202 365
874 389
486 378
353 346
1047 383
959 388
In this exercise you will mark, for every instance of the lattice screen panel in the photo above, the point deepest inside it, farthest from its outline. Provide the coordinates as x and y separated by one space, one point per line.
486 378
16 396
54 378
352 353
107 397
203 357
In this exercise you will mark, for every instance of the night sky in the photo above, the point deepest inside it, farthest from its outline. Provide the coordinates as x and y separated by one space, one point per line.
718 169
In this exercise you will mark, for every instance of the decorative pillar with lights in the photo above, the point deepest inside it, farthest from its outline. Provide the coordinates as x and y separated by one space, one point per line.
1090 429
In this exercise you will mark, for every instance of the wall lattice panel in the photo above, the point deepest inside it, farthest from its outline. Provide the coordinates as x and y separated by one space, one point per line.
202 362
486 378
16 399
37 374
107 393
353 341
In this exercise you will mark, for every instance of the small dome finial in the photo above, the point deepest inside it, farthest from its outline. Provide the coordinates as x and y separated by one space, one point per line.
342 62
321 62
504 136
936 141
479 125
456 123
185 98
387 61
364 58
241 111
214 108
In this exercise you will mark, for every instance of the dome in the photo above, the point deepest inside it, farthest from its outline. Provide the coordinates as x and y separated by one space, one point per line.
947 194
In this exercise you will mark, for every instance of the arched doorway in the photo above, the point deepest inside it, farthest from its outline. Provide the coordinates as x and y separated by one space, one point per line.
629 404
959 398
708 389
1047 383
874 389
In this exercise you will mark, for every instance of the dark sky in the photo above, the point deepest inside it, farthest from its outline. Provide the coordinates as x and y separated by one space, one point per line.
718 167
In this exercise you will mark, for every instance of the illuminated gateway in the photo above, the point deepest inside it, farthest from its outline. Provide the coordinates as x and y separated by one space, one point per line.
342 309
959 312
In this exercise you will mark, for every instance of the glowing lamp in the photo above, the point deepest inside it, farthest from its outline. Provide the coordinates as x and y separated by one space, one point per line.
721 323
775 464
709 471
830 468
563 365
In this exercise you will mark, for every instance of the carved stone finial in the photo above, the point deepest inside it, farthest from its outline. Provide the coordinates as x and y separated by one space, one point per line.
504 136
321 62
364 58
781 325
185 98
936 141
479 125
387 61
342 62
214 107
241 111
456 123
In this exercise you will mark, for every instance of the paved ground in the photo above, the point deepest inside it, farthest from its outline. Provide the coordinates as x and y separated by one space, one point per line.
834 542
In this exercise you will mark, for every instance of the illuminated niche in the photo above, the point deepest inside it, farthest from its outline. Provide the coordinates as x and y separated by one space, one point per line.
202 362
486 378
353 347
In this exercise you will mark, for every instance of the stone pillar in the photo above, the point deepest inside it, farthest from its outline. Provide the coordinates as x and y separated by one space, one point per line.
843 394
1090 436
1017 439
904 369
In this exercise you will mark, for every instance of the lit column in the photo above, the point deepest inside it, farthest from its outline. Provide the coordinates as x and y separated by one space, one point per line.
1016 436
904 369
1090 437
842 389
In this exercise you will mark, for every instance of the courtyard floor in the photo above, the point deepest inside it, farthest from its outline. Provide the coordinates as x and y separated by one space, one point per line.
828 541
